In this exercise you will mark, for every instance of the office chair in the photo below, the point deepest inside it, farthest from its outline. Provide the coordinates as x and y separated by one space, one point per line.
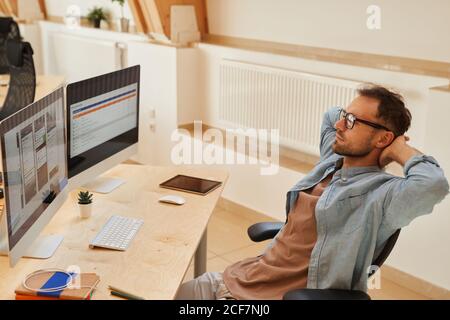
22 83
9 30
268 230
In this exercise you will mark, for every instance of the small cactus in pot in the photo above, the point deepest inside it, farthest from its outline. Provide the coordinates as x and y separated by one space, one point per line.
85 199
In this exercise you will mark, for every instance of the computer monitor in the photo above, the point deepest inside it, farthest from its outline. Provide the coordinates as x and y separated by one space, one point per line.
34 163
102 127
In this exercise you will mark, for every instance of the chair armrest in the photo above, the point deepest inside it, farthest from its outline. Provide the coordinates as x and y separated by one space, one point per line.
325 294
264 230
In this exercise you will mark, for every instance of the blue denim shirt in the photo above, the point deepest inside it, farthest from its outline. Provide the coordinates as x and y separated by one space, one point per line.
360 209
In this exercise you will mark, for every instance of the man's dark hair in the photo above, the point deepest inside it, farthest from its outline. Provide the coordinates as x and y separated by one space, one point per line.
391 108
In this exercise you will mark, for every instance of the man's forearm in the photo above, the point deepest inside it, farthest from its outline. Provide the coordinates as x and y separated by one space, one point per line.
405 154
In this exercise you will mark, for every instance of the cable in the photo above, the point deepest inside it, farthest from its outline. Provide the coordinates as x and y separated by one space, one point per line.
54 289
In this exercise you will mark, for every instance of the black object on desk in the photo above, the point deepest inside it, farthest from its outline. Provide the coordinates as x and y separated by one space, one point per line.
123 294
191 184
49 199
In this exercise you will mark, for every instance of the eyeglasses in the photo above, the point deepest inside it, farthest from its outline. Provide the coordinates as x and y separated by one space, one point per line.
350 120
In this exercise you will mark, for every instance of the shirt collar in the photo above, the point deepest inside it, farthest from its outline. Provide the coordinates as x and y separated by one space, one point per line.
352 171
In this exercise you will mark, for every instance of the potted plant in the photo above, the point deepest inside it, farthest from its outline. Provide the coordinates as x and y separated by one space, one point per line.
96 15
124 22
85 203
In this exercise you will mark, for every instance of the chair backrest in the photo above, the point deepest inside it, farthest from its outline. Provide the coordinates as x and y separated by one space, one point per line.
9 30
22 83
390 243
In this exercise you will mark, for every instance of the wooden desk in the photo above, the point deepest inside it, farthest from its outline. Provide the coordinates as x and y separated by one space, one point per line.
158 257
45 84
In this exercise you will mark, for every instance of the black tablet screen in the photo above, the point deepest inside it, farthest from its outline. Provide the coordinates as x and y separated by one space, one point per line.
191 184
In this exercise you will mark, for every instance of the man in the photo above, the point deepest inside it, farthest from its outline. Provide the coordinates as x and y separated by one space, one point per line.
342 213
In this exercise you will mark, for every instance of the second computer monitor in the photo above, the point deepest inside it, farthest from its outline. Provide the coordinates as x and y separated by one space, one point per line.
102 125
33 155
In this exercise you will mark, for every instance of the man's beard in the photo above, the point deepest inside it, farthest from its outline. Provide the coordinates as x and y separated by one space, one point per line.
347 152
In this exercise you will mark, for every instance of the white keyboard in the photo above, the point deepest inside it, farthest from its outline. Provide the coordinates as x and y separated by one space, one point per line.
117 233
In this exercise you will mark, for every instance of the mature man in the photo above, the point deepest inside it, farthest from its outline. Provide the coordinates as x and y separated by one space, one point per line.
341 214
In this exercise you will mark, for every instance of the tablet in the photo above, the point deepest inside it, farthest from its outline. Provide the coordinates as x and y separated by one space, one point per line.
191 184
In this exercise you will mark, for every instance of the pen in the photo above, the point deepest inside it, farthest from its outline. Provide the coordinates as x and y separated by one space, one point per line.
123 294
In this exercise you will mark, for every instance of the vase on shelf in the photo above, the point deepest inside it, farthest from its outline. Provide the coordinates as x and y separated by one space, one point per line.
124 25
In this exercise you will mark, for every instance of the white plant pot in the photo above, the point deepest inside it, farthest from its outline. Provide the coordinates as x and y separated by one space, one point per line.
85 210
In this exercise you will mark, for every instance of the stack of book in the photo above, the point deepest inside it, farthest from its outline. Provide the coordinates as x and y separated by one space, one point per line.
85 282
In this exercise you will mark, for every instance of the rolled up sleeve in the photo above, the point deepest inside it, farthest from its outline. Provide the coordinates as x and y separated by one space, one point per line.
423 186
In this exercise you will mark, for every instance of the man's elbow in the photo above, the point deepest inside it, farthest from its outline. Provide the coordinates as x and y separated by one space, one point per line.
440 188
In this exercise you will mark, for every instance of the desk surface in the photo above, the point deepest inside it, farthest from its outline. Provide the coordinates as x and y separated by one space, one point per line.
45 84
158 257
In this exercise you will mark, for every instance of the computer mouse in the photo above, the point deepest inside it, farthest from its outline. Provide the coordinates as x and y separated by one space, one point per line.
173 199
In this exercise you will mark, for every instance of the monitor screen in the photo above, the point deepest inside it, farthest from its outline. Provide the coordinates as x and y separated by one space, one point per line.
34 162
102 117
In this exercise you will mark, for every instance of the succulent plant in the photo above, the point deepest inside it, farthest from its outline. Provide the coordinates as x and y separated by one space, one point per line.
97 14
85 197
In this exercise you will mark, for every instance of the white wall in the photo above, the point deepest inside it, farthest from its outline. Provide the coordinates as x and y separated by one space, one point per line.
32 34
74 59
435 260
169 96
188 84
414 28
158 103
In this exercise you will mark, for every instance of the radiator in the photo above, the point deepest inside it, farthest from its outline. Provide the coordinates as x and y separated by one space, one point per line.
262 97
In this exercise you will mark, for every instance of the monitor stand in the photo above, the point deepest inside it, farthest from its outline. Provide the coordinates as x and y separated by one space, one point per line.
43 247
103 185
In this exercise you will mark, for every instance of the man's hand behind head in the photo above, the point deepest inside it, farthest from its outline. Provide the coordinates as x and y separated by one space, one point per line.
390 153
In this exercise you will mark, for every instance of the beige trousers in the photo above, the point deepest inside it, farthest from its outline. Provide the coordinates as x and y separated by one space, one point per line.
209 286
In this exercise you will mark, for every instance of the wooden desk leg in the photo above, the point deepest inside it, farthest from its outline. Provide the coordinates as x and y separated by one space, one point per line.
200 256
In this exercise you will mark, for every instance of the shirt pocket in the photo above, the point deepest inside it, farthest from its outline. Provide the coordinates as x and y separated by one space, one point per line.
351 211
